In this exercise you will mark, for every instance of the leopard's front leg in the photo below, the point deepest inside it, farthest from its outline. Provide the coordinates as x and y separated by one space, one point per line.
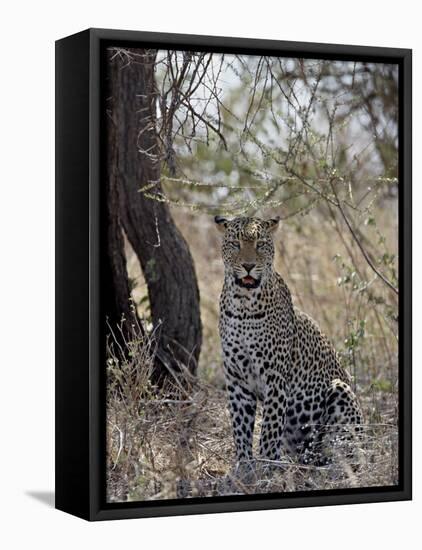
273 416
242 405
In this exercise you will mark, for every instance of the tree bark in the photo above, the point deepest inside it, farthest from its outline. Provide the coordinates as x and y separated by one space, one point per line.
162 251
117 290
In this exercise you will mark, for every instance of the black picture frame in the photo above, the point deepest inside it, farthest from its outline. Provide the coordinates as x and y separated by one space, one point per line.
80 403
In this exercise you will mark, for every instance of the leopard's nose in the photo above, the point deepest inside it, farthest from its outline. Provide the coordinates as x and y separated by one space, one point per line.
248 267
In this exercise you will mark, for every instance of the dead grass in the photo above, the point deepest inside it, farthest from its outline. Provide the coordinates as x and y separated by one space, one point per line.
162 447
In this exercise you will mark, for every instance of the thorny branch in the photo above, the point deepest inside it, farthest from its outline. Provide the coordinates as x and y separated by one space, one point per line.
311 105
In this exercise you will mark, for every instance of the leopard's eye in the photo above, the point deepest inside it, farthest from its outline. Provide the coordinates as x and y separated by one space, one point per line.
234 244
260 244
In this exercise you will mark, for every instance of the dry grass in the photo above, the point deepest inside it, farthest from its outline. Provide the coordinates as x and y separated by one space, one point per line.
163 448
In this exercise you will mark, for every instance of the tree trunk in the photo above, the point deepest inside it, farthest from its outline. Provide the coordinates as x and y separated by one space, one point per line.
117 292
162 251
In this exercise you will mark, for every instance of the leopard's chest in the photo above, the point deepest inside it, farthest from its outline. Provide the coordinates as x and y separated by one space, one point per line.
249 342
250 329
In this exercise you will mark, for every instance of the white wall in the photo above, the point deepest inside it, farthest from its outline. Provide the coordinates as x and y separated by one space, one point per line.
26 287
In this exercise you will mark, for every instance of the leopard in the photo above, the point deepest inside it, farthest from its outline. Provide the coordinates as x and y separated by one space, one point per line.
275 355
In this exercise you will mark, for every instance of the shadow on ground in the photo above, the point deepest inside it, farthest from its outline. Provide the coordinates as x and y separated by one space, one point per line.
45 497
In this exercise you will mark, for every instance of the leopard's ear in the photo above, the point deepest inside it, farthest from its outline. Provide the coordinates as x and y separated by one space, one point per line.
273 223
221 223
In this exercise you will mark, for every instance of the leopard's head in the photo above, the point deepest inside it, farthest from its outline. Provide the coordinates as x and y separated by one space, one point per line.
248 249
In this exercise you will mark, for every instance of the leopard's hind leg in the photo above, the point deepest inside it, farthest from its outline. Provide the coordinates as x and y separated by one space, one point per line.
338 428
342 421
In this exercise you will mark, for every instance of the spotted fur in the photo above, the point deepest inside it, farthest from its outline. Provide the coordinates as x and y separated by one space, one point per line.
274 353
